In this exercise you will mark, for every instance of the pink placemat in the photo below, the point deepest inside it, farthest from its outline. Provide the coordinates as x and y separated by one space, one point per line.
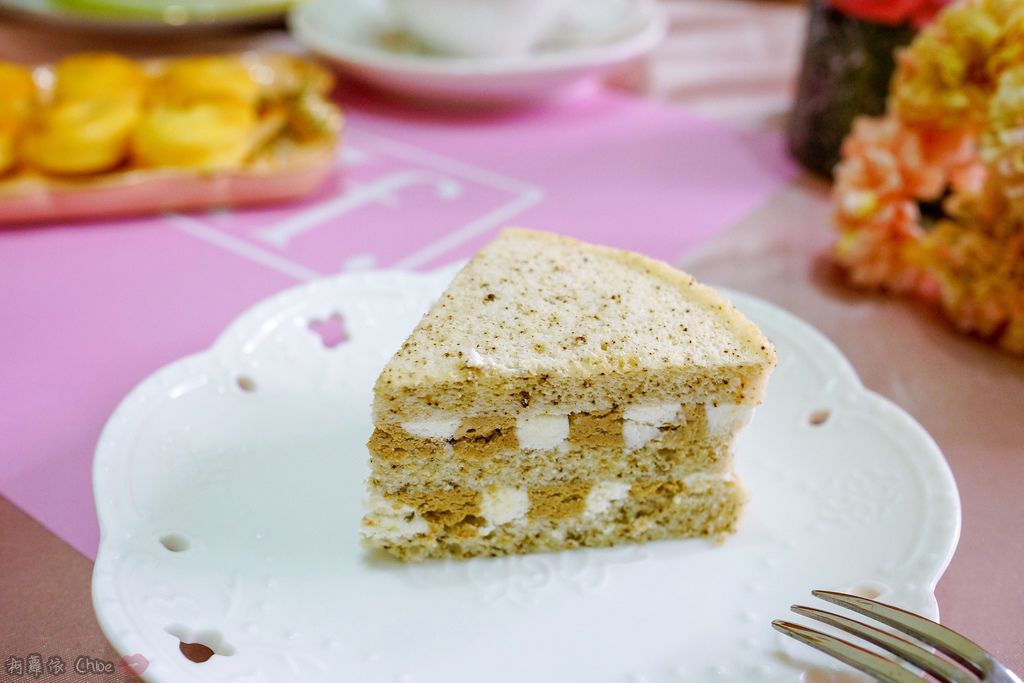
89 310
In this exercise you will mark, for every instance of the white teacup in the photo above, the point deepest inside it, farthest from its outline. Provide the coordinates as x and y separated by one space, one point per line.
479 28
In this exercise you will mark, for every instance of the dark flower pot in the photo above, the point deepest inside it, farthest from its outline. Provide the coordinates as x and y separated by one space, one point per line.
847 66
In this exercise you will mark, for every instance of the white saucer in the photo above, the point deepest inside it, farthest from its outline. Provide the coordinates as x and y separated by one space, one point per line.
228 489
360 38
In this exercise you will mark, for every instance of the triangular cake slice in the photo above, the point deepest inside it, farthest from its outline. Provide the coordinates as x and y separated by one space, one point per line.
558 395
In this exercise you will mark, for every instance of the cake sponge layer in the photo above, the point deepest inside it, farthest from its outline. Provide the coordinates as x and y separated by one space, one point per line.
462 523
443 465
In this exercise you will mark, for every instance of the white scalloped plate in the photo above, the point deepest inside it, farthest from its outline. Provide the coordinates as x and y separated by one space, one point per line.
262 480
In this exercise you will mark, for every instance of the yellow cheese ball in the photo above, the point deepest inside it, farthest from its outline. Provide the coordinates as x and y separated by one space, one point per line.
207 77
8 136
91 75
17 89
17 97
78 136
204 135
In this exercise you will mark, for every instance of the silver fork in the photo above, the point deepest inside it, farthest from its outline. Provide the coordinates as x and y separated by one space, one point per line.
970 664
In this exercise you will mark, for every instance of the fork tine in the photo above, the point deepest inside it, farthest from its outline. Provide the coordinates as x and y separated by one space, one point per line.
942 669
947 641
857 657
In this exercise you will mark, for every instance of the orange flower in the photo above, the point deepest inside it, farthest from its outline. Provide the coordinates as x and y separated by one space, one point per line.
887 167
954 131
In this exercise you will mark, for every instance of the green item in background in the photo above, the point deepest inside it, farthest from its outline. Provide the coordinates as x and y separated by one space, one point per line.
174 11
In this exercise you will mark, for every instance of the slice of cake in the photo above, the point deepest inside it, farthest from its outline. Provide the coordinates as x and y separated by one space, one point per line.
561 394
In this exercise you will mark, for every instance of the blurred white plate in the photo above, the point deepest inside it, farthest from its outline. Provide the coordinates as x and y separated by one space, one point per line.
361 38
229 484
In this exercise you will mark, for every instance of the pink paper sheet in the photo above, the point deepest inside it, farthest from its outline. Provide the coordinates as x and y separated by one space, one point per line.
89 310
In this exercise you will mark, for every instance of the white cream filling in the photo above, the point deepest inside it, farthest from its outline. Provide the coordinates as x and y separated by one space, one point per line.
653 413
726 418
641 424
542 432
638 434
504 505
392 522
443 429
602 495
702 481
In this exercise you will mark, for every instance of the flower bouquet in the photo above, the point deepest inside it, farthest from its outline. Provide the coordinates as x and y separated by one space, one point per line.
929 197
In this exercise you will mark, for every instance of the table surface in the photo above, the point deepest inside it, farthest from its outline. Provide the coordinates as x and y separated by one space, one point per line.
733 60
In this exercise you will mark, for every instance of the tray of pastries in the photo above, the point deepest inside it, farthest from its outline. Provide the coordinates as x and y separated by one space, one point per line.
98 134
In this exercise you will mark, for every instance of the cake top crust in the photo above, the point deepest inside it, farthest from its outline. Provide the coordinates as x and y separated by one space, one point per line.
535 304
